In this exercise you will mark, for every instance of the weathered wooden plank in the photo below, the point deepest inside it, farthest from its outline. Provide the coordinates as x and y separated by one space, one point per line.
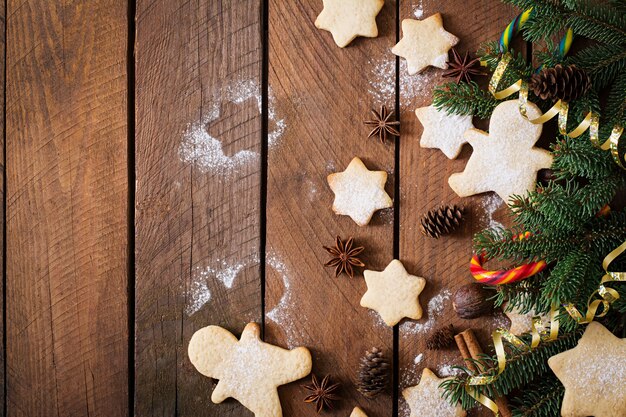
424 185
2 190
322 93
67 211
198 67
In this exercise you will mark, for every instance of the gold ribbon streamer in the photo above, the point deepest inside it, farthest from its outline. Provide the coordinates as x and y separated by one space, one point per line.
539 333
560 108
607 295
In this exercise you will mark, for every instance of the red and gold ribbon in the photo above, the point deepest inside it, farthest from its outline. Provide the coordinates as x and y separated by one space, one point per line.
504 276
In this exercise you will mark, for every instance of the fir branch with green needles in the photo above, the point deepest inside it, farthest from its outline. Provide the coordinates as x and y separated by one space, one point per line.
464 99
541 398
522 367
564 216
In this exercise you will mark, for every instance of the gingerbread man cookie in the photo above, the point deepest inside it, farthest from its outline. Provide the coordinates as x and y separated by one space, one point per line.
248 369
505 159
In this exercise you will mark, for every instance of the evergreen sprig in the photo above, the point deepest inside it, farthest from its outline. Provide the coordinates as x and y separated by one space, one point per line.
562 215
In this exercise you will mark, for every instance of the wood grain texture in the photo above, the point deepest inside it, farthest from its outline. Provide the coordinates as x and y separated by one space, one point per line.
67 214
2 190
198 142
424 185
323 93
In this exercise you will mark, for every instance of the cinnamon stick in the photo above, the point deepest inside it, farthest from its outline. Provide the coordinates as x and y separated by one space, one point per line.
470 349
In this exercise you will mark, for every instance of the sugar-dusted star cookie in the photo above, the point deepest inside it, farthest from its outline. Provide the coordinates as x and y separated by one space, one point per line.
424 42
425 399
594 374
393 293
357 412
248 369
505 159
521 323
347 19
359 192
442 130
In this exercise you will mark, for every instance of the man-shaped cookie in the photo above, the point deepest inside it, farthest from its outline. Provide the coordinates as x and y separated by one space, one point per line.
505 159
248 369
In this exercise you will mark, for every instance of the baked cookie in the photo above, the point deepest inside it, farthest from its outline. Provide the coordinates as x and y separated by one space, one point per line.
359 192
505 159
347 19
357 412
594 374
442 130
393 293
425 400
424 42
248 369
521 323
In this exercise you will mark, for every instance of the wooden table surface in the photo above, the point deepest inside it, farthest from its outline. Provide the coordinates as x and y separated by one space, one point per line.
166 167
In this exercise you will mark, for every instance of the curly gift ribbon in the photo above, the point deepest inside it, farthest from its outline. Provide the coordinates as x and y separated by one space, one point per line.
560 108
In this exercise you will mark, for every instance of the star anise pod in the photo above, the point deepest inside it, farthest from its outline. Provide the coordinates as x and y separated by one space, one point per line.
382 125
463 68
344 257
322 393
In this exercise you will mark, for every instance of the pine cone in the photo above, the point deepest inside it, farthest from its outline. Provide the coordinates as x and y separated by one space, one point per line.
441 221
560 83
373 375
441 339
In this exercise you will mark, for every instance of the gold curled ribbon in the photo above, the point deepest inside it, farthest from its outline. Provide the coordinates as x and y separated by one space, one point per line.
560 108
607 295
539 332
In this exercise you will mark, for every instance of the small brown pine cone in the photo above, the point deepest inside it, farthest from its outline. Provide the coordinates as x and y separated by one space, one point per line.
560 83
442 221
373 376
441 339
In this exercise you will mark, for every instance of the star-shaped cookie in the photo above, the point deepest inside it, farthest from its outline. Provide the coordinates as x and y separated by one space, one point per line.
424 42
594 374
393 293
359 192
521 323
347 19
505 159
424 399
248 369
442 130
357 412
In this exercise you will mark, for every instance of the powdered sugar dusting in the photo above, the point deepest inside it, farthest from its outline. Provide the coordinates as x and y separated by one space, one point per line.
382 83
435 307
447 370
283 313
418 10
206 152
223 271
418 358
491 203
199 295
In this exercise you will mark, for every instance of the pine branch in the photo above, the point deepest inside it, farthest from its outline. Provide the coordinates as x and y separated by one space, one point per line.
541 398
522 366
464 99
